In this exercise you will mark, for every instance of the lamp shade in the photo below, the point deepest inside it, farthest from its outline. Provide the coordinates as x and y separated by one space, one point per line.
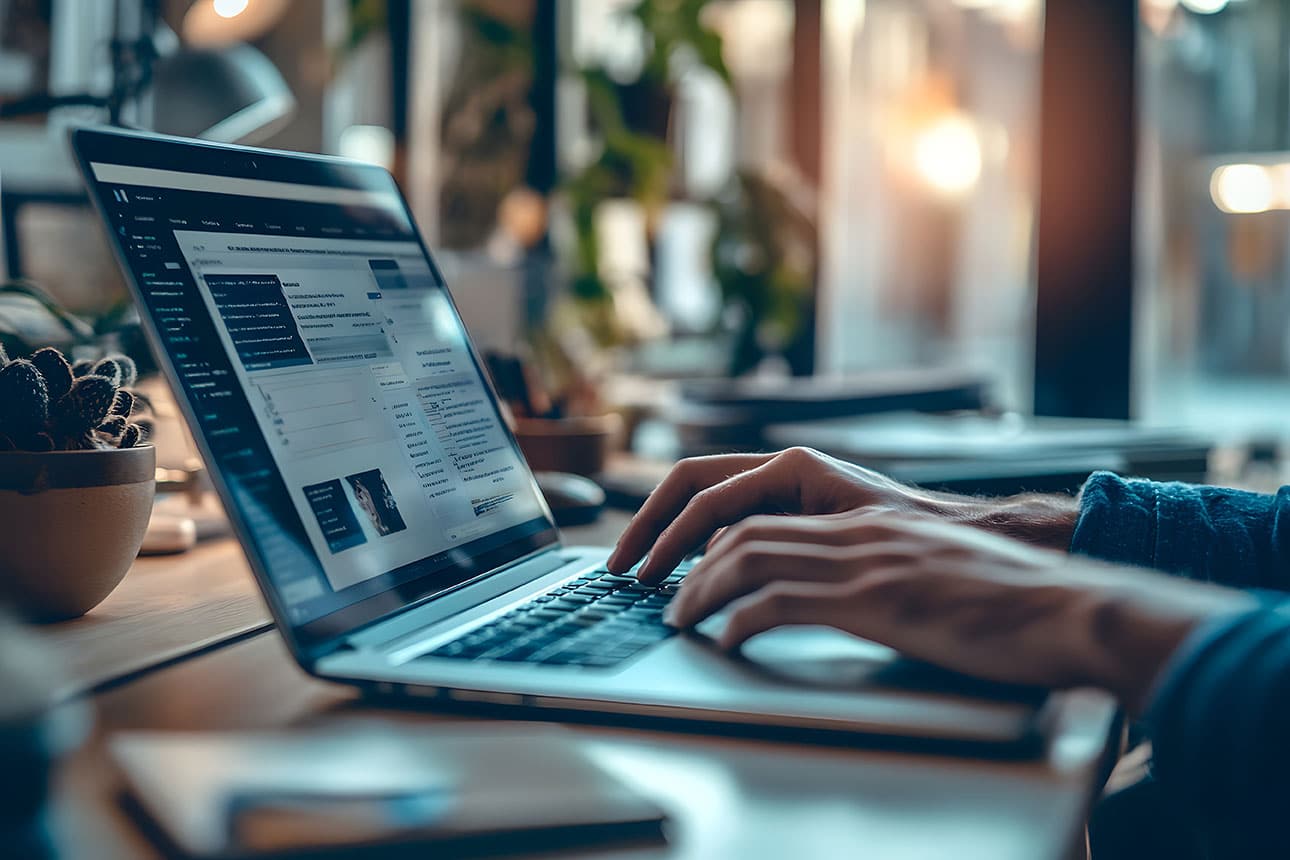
230 94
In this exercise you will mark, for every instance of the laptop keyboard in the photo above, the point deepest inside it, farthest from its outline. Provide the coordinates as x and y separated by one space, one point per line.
598 620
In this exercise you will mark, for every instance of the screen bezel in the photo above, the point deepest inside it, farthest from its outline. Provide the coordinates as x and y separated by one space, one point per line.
314 638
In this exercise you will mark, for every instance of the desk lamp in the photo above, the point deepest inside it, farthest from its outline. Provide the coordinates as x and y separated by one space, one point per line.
220 90
217 88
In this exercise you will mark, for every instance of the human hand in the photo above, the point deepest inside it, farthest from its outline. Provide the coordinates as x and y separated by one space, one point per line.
700 496
951 595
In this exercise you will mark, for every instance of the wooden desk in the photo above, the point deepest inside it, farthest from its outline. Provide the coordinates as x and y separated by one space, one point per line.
728 798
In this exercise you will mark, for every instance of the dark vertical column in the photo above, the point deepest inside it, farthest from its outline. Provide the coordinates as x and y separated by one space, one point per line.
399 15
542 168
805 142
804 90
542 173
1088 148
399 20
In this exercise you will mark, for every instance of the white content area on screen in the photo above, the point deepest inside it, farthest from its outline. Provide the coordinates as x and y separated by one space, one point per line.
359 374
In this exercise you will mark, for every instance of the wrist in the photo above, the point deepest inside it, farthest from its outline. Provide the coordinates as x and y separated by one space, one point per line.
1135 626
1040 520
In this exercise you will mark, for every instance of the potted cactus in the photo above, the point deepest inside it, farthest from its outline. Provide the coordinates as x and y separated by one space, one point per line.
76 480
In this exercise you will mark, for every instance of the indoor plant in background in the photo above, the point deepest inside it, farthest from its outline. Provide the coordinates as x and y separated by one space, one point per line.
76 482
631 115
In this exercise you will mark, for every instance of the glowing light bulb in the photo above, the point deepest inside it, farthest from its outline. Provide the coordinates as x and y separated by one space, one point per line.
1242 188
947 155
230 8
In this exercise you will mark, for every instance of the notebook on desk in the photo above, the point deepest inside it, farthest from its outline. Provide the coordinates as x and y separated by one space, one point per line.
371 789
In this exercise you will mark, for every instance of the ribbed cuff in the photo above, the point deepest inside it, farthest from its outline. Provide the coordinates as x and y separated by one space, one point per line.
1117 520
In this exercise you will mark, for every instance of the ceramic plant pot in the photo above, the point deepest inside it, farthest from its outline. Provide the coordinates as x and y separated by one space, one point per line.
71 523
578 445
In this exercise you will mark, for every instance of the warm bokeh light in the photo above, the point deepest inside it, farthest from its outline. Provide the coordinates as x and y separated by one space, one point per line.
947 155
1205 7
373 144
1244 188
213 23
230 8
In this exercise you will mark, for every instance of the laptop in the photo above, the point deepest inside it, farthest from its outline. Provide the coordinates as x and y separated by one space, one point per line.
392 524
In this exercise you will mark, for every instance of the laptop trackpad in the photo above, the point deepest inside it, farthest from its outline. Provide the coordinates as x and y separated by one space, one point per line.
809 654
824 657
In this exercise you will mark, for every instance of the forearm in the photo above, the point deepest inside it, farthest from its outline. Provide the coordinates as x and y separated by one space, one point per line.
1040 520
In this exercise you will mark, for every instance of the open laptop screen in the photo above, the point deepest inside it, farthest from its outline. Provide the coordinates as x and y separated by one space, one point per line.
327 372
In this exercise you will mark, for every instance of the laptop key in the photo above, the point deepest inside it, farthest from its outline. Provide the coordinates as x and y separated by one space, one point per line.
588 622
562 658
597 661
518 654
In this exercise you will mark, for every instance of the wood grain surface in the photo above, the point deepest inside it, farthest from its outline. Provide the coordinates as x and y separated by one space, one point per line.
169 607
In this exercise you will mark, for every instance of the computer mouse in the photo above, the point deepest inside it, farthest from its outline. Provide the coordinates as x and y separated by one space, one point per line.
574 500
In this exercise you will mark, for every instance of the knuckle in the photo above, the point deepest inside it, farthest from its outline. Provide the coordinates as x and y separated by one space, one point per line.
799 456
778 601
682 474
759 611
879 514
754 527
741 532
756 553
706 495
875 552
742 620
700 503
952 553
839 555
879 587
689 464
695 504
739 557
877 520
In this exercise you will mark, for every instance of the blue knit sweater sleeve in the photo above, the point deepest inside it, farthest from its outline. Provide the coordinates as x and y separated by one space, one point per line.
1217 723
1217 717
1225 536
